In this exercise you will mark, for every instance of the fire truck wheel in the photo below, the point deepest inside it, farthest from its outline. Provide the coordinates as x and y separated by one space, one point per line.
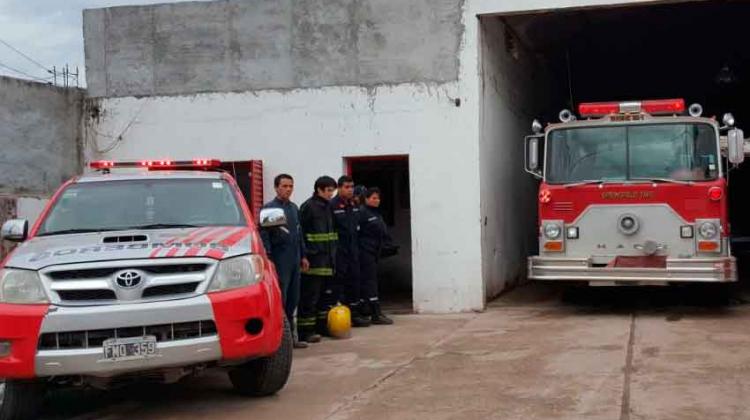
266 376
20 400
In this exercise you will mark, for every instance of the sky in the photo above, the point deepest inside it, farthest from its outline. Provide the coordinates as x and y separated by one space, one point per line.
49 32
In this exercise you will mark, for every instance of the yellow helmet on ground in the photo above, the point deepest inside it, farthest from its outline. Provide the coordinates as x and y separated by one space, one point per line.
340 321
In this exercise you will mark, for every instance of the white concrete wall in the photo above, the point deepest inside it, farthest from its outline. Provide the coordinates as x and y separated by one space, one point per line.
515 88
308 132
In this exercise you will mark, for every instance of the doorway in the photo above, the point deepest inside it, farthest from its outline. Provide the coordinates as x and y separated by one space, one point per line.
391 175
249 177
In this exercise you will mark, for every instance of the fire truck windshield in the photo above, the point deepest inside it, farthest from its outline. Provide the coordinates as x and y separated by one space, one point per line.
143 204
664 151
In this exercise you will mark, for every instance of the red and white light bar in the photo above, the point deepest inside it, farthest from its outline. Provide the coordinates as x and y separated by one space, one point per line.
653 107
157 164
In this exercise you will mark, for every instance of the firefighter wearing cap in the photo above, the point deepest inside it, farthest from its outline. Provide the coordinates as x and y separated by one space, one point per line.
347 280
319 236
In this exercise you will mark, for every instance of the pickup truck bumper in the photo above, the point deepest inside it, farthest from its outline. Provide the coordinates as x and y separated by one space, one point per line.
49 341
720 269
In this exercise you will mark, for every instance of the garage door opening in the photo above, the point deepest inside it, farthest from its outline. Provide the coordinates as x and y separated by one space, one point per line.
391 175
534 65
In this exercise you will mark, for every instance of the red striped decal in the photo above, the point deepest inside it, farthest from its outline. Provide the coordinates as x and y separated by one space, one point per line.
215 254
196 234
179 238
228 242
195 250
172 252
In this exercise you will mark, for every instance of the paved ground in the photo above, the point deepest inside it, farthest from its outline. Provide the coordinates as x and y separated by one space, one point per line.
536 353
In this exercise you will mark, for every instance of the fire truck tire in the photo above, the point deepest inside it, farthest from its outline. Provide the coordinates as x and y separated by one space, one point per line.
20 400
265 376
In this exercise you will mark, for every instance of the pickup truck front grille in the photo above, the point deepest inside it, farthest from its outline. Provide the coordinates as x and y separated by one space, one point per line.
92 273
170 289
95 338
87 294
96 283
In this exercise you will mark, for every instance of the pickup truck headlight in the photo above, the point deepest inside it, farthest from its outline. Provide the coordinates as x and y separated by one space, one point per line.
237 272
21 286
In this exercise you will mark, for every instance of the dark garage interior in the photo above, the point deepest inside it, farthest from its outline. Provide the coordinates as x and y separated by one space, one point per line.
694 50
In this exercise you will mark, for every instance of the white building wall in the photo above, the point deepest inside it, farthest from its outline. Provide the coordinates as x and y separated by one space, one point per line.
307 132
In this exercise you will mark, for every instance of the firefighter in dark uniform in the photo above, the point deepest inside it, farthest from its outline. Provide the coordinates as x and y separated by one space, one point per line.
319 236
285 247
373 235
347 282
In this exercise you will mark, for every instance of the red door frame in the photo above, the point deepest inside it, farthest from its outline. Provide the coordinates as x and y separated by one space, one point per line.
349 160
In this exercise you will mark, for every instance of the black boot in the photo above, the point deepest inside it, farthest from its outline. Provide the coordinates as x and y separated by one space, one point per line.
358 321
378 318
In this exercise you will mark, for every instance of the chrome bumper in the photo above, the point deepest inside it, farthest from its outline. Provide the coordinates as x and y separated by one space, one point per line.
91 361
689 270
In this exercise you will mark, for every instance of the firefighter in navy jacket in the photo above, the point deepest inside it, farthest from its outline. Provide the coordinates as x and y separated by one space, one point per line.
347 282
373 235
320 238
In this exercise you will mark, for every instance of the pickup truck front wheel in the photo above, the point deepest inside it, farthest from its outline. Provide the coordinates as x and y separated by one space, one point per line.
20 400
265 376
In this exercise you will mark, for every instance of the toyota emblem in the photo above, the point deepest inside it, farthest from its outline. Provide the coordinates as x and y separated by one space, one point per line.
128 279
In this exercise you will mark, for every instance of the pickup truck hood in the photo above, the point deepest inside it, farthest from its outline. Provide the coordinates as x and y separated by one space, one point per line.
213 242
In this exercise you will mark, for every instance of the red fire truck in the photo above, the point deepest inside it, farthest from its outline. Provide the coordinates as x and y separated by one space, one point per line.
634 193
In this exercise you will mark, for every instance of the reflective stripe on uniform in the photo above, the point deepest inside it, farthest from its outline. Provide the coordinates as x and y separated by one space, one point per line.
320 271
322 237
306 322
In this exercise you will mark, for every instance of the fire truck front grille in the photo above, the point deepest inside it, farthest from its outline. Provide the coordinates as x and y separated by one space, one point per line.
563 206
95 338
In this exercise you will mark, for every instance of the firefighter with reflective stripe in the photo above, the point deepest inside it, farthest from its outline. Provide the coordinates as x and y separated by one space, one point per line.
319 236
373 234
347 281
285 246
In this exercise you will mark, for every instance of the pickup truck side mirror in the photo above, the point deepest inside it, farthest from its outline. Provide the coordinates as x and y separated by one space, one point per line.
532 155
15 230
272 217
735 146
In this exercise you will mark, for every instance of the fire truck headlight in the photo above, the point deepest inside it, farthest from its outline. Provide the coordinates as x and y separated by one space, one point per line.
572 232
552 230
708 230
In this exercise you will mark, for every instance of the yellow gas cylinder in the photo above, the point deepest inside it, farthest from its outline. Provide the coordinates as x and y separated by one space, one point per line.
340 321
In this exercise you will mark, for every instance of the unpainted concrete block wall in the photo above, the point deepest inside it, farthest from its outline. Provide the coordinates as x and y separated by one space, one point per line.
242 45
40 145
40 137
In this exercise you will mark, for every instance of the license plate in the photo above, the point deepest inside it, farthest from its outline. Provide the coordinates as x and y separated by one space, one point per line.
130 348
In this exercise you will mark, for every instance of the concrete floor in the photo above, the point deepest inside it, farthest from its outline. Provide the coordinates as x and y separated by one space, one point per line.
536 353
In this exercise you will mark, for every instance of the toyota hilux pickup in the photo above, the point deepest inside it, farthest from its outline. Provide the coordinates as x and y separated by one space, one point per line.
148 270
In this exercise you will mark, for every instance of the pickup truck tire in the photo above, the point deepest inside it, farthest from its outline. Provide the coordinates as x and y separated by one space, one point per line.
265 376
20 400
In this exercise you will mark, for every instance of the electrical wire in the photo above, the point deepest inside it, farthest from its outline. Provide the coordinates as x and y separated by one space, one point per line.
24 73
25 56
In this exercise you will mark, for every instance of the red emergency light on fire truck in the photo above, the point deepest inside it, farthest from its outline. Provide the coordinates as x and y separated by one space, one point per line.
634 193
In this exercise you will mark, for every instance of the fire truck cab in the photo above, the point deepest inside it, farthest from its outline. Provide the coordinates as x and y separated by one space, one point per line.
634 193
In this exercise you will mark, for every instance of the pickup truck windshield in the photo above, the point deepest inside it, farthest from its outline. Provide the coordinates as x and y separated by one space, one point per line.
682 152
143 204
